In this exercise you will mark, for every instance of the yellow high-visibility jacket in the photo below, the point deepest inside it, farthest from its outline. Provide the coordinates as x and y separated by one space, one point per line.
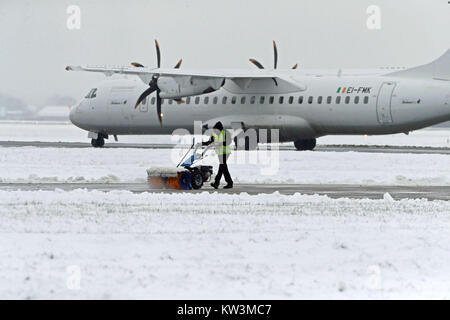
220 143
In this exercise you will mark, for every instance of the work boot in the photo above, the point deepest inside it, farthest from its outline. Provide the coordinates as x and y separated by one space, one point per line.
228 186
214 185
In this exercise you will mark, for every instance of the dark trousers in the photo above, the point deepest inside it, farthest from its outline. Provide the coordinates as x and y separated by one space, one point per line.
223 169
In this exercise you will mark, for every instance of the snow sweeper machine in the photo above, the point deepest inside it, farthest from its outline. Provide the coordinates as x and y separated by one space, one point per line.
185 176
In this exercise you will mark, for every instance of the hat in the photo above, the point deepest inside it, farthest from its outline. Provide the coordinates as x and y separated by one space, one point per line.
218 126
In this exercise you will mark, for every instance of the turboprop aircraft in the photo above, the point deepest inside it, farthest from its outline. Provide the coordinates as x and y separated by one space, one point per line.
302 104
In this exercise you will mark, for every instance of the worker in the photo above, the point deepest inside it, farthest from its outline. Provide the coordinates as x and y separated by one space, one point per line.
223 150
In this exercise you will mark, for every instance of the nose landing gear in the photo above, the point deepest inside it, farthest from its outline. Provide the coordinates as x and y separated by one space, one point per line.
98 143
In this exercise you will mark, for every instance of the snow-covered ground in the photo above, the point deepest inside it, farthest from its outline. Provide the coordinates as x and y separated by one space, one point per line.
31 164
66 132
90 244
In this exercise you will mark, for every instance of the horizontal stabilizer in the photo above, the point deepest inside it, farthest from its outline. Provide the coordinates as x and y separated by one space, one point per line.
438 69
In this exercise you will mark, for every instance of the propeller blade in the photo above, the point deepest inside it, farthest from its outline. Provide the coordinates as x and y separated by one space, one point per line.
145 94
158 54
158 107
256 63
275 55
295 67
178 65
137 65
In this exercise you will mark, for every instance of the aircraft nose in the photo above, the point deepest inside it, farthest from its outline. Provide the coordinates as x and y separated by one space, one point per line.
73 115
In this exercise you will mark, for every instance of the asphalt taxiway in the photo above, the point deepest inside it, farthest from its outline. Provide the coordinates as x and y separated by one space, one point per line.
326 148
331 190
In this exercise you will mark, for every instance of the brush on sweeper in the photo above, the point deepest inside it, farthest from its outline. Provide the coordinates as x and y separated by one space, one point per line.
185 176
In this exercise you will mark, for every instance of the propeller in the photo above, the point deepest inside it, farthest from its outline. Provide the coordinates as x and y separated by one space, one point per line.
275 61
153 85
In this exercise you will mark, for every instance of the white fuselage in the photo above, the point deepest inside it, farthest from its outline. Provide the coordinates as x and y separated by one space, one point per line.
369 104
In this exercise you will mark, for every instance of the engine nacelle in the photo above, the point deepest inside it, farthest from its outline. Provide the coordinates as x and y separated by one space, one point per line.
185 86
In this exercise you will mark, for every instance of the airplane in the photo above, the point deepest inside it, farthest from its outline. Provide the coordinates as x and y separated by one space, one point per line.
302 104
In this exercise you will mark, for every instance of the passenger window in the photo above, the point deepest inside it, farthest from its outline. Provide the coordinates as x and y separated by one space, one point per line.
329 99
262 99
356 99
319 100
206 100
215 100
271 99
300 100
291 99
170 101
338 99
366 100
347 99
152 101
310 99
233 100
224 100
144 101
252 99
243 100
281 99
188 100
197 100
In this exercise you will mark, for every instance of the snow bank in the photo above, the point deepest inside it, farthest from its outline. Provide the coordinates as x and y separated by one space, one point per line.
147 245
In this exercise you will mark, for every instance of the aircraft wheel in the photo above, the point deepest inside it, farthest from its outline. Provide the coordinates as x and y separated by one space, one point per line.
98 143
306 144
243 142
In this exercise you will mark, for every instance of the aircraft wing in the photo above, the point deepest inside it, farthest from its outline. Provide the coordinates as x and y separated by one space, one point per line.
242 78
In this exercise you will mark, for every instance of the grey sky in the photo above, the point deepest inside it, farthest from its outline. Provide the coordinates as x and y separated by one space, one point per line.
36 44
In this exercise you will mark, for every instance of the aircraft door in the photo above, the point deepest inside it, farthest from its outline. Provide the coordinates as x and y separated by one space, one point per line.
118 106
384 101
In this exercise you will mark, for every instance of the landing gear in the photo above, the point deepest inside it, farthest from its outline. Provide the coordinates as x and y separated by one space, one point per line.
98 139
98 143
305 144
245 143
246 140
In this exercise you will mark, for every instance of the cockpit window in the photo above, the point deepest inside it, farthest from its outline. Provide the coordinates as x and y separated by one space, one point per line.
89 94
92 94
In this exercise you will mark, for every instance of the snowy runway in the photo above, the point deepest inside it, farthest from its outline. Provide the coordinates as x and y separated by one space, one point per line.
119 244
237 246
30 164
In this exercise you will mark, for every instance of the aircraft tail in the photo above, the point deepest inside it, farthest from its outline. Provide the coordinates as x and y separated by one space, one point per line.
438 69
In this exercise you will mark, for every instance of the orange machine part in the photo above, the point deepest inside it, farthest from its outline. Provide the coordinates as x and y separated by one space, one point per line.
156 182
174 183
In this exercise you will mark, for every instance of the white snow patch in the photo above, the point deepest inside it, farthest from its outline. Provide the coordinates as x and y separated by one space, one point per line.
30 164
209 246
387 197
